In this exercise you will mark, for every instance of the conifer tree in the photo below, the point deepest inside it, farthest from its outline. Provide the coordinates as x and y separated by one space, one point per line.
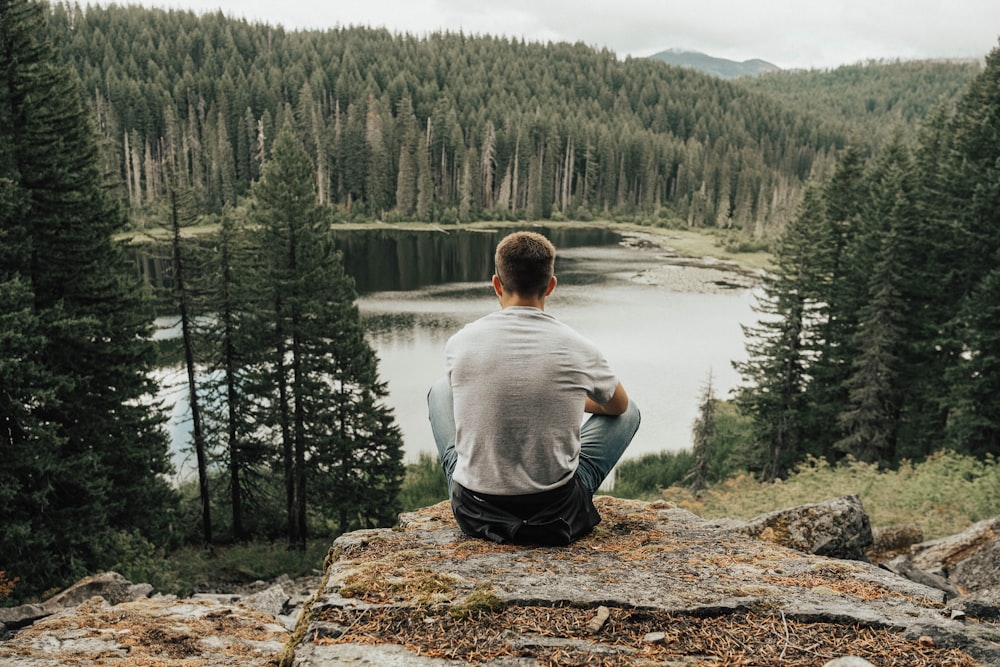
88 456
871 420
971 193
703 432
974 425
339 444
781 345
840 291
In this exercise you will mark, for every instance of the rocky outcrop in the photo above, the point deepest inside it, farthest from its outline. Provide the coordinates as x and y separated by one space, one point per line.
149 631
965 566
969 560
109 586
653 585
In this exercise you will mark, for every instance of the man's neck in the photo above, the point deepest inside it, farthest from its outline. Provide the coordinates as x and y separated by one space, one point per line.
508 300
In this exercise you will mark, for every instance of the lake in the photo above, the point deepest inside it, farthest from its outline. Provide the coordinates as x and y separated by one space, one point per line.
665 325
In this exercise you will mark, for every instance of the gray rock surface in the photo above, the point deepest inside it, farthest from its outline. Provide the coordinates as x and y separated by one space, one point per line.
838 528
109 586
653 585
149 631
660 570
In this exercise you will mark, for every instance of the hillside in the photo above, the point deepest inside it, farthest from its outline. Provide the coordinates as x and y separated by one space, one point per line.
720 67
445 127
449 127
870 99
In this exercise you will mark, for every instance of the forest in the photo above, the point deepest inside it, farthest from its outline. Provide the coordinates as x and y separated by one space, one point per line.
874 186
454 128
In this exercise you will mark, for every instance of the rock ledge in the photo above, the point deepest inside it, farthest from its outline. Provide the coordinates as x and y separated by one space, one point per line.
654 584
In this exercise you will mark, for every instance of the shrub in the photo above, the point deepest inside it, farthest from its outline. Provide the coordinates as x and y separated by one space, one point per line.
6 586
647 475
943 495
424 484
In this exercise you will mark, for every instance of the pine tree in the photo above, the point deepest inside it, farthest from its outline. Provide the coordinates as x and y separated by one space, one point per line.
96 463
840 291
183 298
340 445
781 345
974 426
703 432
871 420
970 190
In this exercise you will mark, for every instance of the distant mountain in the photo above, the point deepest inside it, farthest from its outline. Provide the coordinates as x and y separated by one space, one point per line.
720 67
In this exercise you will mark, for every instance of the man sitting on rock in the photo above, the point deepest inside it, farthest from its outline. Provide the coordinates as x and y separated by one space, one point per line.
507 414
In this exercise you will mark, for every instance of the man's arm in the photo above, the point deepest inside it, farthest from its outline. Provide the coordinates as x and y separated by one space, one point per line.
615 406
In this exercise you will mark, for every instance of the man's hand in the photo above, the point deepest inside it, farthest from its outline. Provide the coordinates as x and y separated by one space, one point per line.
615 406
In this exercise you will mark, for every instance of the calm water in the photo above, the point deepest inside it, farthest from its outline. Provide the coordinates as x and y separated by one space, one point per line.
662 342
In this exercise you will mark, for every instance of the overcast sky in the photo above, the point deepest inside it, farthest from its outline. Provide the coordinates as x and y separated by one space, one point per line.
788 33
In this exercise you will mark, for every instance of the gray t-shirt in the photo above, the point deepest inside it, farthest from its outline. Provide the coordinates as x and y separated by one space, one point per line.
519 378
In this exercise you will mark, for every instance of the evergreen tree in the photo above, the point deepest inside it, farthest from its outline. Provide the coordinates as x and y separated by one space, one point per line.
230 417
88 451
703 432
871 421
840 291
974 426
340 445
971 195
183 298
781 345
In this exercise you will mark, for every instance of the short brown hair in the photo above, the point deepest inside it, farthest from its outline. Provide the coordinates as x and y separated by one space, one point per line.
525 261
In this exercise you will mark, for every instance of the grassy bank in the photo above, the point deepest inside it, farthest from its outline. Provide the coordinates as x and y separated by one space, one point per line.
943 495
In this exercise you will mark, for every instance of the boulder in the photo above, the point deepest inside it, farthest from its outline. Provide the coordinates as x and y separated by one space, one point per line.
838 528
969 560
109 586
965 566
891 541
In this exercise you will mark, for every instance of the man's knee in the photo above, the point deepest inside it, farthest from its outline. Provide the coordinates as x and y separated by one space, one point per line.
632 416
439 390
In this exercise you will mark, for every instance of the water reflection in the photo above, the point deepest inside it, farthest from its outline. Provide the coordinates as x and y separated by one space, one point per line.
418 288
662 342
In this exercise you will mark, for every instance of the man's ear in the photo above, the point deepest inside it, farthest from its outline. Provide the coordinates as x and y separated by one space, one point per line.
552 286
497 285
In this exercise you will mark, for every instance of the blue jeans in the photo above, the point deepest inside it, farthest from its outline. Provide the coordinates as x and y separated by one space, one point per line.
603 439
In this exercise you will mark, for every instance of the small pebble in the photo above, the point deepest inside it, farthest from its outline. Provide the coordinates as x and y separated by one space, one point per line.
849 661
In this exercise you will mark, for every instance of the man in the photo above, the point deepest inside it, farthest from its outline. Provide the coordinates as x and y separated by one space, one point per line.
507 414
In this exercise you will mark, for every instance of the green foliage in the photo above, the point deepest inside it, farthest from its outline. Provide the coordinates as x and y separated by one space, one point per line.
781 345
727 453
424 484
443 126
878 337
318 402
84 454
215 569
872 98
643 477
141 561
943 494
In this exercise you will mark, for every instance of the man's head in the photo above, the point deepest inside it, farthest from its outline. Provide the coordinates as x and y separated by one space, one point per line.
525 263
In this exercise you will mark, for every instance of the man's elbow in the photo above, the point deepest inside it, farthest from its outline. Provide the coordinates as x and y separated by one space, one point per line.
618 403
